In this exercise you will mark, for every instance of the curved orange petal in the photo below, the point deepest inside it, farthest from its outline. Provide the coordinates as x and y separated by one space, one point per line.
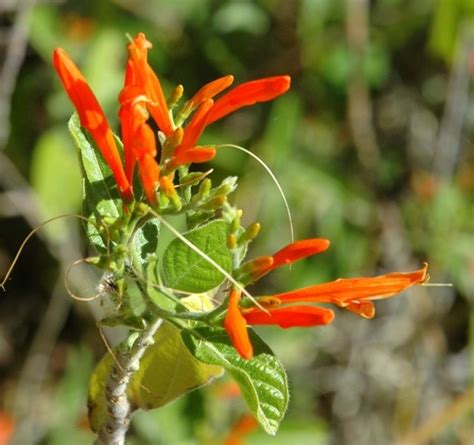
210 90
249 93
236 326
365 309
92 117
298 250
343 291
144 148
149 174
146 77
195 128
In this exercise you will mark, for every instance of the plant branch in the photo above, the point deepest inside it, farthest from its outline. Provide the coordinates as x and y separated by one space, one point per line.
116 425
359 107
12 63
449 142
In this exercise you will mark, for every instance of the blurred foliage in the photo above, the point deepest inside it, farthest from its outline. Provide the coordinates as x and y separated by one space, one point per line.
356 381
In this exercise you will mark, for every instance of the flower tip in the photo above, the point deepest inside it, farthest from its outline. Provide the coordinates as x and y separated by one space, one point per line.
141 41
246 354
58 53
366 309
425 276
65 67
328 317
284 84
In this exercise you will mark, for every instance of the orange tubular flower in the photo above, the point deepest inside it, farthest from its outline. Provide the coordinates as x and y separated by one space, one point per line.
249 93
236 326
290 317
92 117
193 131
346 291
156 104
144 149
298 250
193 155
138 138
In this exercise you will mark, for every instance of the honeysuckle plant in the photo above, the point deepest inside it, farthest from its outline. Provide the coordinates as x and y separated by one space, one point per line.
185 304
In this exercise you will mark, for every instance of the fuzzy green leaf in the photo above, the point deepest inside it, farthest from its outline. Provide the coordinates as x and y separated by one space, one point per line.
100 196
262 380
145 243
167 371
186 270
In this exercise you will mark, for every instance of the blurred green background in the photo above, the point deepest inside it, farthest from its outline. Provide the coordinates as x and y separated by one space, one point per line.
374 148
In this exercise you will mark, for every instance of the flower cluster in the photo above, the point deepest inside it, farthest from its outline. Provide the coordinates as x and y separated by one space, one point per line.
158 156
142 97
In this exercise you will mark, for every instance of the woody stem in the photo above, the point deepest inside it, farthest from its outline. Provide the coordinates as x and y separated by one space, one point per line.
115 426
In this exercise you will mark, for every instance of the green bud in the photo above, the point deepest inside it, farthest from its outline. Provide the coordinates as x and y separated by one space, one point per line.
203 192
176 201
214 203
236 222
250 234
193 178
231 241
227 186
109 220
175 97
163 201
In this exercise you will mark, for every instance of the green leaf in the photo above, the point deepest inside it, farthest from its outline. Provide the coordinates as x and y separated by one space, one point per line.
186 270
145 243
100 196
167 371
262 380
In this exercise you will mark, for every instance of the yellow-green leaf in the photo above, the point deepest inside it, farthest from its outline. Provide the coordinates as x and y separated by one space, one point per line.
167 370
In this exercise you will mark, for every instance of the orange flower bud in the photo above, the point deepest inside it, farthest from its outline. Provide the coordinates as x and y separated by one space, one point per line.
193 155
298 250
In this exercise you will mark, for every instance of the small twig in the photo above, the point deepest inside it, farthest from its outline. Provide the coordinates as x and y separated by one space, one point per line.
14 58
437 423
359 107
457 101
116 425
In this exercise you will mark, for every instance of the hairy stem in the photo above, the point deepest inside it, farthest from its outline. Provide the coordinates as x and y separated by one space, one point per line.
116 425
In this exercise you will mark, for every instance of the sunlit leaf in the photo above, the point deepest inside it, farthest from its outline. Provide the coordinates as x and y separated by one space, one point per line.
167 371
262 380
186 270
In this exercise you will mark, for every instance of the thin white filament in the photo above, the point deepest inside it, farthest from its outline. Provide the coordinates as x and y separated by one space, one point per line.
275 180
32 232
